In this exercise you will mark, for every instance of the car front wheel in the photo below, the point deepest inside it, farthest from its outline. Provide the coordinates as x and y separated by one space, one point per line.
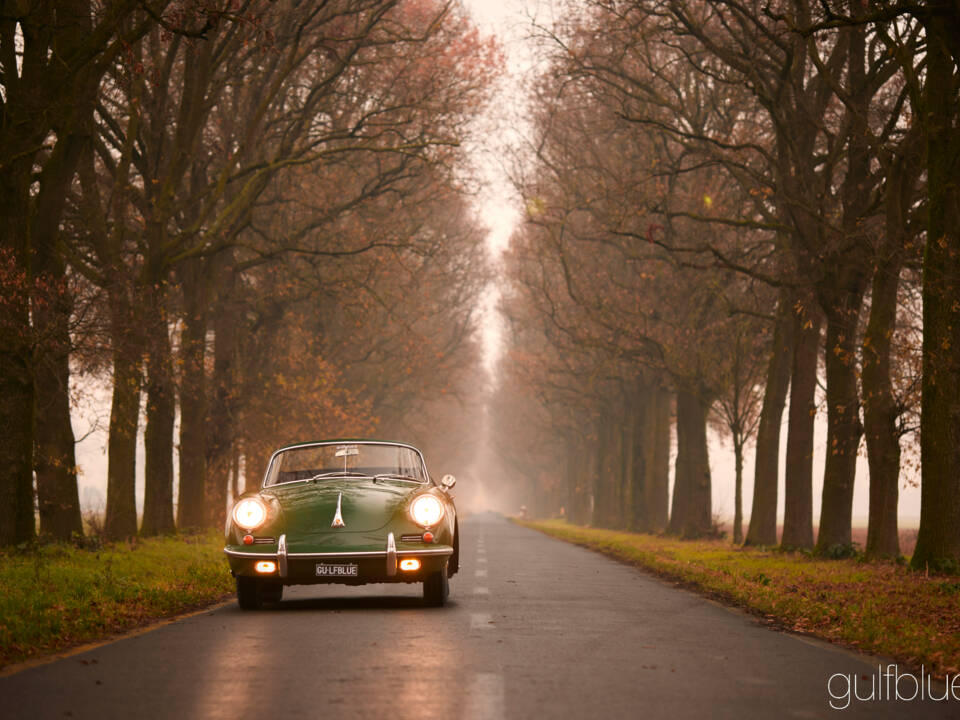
436 588
248 593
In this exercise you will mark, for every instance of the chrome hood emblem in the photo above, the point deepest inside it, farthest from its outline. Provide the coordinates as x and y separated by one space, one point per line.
337 517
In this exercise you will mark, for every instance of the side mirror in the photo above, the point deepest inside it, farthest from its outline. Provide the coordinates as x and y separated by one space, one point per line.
448 481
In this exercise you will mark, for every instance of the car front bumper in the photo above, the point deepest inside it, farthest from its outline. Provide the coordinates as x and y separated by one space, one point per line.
373 566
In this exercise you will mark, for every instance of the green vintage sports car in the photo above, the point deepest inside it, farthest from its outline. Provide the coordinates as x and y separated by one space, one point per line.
344 511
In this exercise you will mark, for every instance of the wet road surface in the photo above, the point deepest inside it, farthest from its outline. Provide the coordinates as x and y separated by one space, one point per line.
534 628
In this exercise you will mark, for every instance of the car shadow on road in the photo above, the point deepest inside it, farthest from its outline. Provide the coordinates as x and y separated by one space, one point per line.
339 604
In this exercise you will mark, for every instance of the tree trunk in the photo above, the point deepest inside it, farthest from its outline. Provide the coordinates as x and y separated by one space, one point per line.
158 490
640 417
601 477
193 399
571 476
841 295
234 475
843 426
51 95
617 507
938 542
632 512
58 498
798 486
738 491
691 516
127 337
121 520
766 474
18 407
222 424
681 484
880 414
580 512
656 444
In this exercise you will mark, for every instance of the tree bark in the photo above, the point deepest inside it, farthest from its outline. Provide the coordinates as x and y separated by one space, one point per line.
618 507
221 427
121 520
840 292
880 414
581 510
17 388
798 486
571 477
738 491
53 90
640 418
633 462
58 498
938 541
158 488
602 479
766 475
656 483
691 516
193 398
843 428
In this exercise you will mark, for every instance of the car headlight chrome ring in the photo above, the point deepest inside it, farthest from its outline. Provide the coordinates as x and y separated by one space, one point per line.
426 510
249 513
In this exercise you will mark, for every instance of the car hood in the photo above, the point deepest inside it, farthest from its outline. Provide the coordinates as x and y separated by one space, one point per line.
365 505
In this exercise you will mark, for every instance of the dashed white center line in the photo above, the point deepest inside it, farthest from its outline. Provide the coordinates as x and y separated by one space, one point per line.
481 591
480 573
485 697
481 621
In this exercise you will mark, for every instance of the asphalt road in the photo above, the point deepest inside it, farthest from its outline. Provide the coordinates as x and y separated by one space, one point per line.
535 628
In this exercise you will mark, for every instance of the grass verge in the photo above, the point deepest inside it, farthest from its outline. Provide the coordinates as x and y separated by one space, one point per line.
884 609
57 596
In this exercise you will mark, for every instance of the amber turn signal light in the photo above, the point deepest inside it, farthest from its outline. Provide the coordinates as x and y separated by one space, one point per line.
265 566
410 564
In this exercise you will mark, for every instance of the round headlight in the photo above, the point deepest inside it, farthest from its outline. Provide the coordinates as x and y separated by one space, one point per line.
249 513
426 511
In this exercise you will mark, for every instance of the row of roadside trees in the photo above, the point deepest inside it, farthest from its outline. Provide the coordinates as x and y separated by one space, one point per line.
727 204
245 213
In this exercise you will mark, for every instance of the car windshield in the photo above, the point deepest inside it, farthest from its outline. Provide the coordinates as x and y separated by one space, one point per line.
338 460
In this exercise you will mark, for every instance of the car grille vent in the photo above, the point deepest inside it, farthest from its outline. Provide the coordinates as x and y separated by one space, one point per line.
264 540
411 538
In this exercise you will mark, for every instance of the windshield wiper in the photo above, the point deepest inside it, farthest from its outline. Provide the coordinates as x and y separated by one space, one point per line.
338 473
395 476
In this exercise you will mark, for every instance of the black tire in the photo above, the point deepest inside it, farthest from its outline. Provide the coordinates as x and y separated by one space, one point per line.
436 588
271 592
248 593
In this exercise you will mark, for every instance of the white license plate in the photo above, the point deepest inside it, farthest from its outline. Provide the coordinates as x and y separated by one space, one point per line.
342 570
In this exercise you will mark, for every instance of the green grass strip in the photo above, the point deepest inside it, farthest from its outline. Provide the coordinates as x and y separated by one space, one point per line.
57 596
884 609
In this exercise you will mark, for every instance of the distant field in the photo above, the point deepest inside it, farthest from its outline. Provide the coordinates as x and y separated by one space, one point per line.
885 609
58 596
908 536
